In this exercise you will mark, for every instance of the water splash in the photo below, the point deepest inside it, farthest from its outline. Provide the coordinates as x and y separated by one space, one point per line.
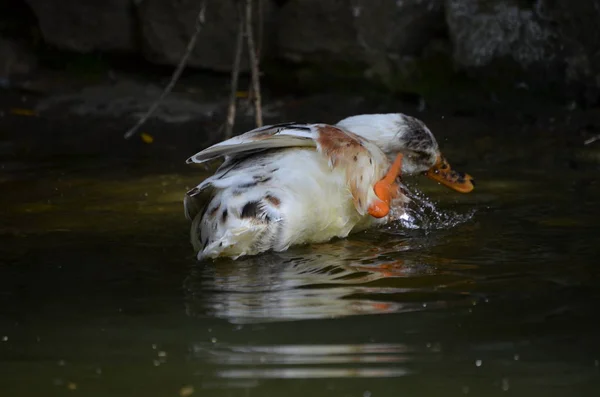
422 213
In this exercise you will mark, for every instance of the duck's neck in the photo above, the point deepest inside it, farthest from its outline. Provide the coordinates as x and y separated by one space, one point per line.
381 129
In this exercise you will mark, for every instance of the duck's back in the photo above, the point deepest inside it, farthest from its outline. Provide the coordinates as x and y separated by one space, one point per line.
271 200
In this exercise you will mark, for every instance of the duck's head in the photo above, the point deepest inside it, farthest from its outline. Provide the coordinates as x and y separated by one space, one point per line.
398 133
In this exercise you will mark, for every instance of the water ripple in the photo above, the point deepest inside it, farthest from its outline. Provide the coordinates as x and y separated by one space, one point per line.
338 279
305 361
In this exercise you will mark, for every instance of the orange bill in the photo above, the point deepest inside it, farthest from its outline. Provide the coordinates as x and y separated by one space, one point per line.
442 173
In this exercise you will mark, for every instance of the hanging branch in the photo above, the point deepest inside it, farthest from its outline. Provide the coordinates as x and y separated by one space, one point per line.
176 74
235 73
256 98
259 45
261 29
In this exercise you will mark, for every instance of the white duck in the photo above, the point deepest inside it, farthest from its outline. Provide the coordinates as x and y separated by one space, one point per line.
289 184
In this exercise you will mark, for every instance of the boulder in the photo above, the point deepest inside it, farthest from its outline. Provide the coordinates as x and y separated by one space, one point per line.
552 42
576 23
316 28
483 31
167 25
357 30
85 26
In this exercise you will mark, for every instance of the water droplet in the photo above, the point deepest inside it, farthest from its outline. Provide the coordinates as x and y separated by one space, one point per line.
213 340
162 354
4 338
156 363
424 304
517 357
61 363
154 346
478 363
466 389
505 384
367 393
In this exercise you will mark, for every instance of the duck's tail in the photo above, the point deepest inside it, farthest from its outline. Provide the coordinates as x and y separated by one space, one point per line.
236 230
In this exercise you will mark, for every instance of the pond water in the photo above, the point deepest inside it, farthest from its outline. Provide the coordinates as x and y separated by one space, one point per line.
491 293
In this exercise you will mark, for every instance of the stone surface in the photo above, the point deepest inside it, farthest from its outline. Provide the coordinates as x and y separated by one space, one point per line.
529 43
383 36
553 42
309 28
167 26
85 26
128 98
482 31
577 24
357 29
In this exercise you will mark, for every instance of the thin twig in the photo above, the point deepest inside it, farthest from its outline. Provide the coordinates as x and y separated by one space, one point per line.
235 73
253 65
592 139
176 74
259 44
261 28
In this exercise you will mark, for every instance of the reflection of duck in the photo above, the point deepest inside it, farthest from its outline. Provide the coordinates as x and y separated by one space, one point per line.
298 183
330 280
302 283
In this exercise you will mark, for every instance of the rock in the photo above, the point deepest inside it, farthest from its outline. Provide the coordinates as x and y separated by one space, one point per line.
482 31
316 28
357 30
577 27
85 26
552 42
15 59
168 25
127 98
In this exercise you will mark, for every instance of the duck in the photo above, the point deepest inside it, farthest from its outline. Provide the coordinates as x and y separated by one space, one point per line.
298 183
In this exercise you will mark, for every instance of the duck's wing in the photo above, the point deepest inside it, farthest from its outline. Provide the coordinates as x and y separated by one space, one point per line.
239 171
267 137
363 162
